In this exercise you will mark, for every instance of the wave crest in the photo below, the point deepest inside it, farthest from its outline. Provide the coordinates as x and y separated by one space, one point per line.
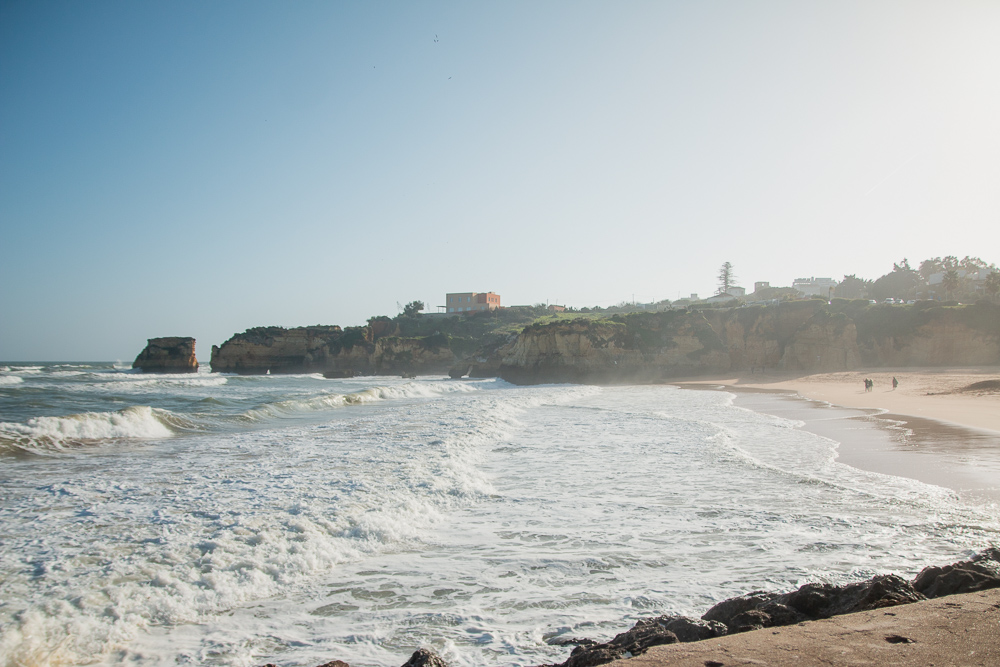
46 434
360 397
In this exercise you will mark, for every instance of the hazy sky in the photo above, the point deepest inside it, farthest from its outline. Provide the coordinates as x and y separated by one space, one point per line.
191 168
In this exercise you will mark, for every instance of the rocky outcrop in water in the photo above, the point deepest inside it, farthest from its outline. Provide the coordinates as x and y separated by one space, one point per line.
299 350
173 354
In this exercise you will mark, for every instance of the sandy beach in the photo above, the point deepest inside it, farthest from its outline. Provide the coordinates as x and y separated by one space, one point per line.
939 426
938 394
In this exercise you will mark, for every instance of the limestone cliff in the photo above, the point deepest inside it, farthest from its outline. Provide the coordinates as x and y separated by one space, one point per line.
394 355
174 354
298 350
931 335
626 349
801 336
330 350
793 336
805 336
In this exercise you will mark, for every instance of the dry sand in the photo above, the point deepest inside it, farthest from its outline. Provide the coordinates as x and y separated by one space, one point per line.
928 393
953 630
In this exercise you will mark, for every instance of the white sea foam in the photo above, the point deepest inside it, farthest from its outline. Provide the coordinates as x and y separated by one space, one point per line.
477 518
327 401
8 380
46 433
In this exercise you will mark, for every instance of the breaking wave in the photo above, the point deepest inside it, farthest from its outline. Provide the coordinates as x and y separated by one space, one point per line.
8 380
48 434
370 395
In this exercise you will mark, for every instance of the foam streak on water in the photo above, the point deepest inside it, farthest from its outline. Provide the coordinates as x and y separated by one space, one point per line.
297 520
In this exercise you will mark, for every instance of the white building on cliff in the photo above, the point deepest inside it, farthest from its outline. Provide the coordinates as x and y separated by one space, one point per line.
815 286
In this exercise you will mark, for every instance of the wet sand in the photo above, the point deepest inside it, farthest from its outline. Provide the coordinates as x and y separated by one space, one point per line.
930 431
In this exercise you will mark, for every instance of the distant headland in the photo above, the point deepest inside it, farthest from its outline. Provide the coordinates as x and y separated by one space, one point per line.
816 325
527 345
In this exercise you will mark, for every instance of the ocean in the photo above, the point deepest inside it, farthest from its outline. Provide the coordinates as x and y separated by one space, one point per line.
237 520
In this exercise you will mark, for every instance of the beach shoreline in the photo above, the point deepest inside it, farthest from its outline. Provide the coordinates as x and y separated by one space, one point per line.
927 429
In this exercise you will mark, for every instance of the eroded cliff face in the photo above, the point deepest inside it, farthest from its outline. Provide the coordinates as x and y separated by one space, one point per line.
804 336
322 349
299 350
173 354
412 355
937 337
631 350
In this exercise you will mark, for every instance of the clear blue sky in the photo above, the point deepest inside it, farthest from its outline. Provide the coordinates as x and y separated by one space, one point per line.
190 168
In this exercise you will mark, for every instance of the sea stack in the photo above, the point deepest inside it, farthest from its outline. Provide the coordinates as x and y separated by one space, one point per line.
173 354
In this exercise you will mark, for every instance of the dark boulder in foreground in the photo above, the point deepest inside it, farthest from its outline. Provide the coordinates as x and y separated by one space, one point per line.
648 632
761 609
811 602
425 658
173 354
980 572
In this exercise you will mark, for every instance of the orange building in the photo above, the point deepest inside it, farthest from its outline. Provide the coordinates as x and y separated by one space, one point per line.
467 302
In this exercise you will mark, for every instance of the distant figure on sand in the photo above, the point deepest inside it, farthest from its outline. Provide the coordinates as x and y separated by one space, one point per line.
869 384
895 383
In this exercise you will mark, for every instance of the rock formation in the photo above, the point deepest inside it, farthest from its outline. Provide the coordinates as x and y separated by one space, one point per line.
173 354
804 336
629 349
808 603
809 336
333 351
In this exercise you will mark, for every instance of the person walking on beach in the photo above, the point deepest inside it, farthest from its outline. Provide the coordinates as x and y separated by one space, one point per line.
895 383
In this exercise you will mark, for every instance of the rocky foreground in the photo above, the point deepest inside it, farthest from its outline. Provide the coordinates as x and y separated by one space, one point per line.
813 602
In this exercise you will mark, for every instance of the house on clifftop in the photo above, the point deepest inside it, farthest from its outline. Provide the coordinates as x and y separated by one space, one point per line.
467 302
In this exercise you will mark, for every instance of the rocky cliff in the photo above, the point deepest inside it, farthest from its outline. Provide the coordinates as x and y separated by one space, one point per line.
323 349
804 336
800 336
172 354
431 354
628 349
930 335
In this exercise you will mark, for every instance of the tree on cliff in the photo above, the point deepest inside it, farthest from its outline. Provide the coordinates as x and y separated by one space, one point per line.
901 283
727 279
413 308
951 281
853 287
992 284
